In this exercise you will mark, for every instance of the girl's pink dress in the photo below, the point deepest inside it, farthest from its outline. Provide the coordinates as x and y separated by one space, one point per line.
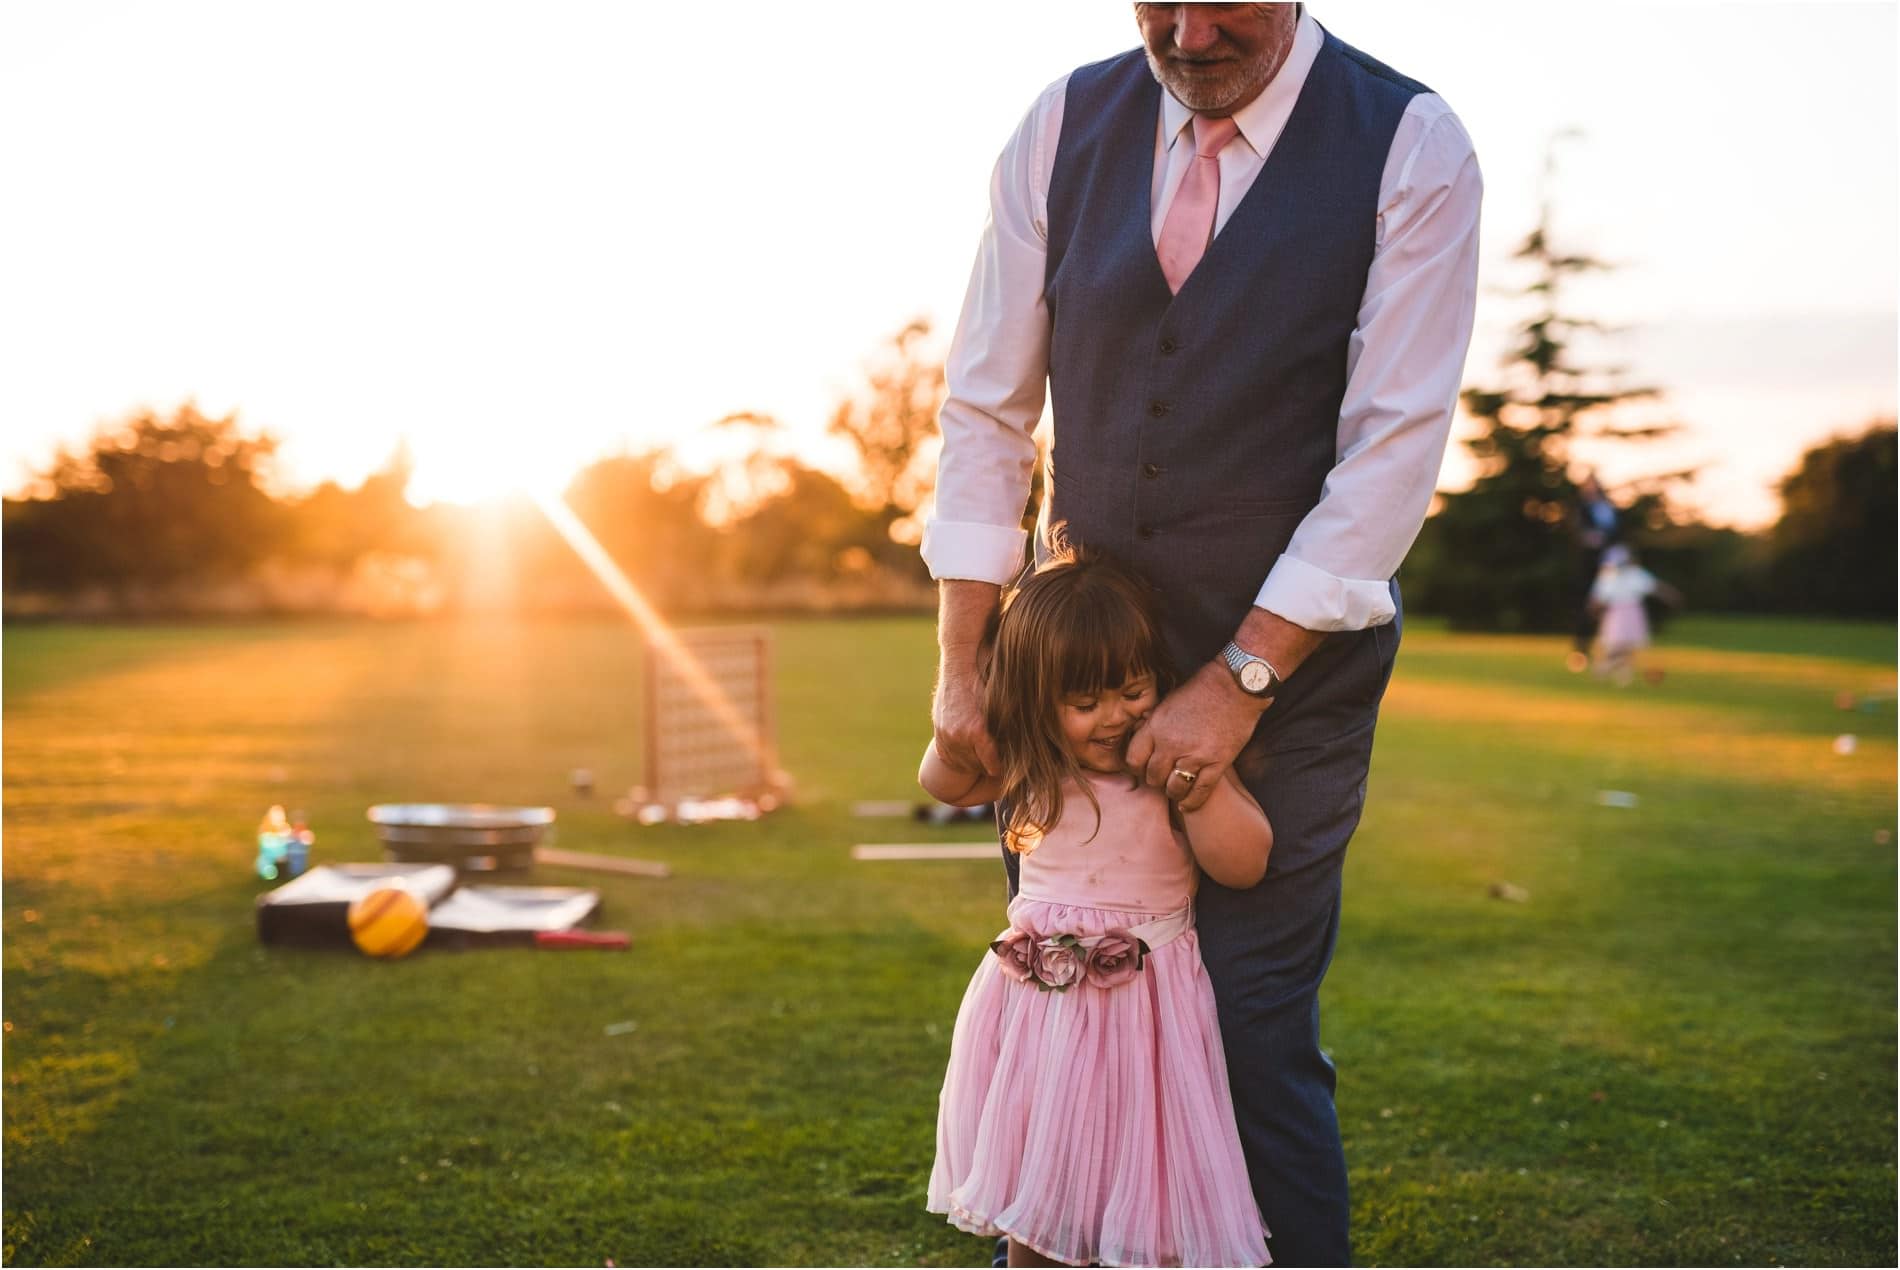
1621 590
1095 1124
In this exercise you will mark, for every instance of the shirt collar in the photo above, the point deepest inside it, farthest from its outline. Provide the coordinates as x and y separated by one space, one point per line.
1262 118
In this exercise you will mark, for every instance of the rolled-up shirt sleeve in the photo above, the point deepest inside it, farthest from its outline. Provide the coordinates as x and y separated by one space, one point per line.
996 372
1403 369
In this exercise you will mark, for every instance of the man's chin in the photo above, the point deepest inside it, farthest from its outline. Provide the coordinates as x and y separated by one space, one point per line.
1203 99
1203 94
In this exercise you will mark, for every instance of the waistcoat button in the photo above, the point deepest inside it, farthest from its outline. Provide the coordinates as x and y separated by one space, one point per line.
1168 346
1157 408
1144 531
1150 471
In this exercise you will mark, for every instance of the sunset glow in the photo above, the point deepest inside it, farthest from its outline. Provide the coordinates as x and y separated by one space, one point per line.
521 225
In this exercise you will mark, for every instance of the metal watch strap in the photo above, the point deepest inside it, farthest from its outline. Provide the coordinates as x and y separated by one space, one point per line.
1237 657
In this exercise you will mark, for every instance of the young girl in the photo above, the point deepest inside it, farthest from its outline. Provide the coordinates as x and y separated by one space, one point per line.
1618 596
1085 1112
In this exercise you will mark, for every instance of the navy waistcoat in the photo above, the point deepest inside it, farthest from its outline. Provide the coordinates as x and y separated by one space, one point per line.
1193 432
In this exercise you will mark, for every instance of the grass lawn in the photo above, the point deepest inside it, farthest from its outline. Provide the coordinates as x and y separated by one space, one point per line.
1679 1050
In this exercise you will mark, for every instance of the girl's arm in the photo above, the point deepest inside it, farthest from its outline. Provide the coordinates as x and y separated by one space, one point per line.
953 785
1230 835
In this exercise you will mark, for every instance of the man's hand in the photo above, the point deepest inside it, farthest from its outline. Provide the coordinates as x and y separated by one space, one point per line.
957 717
1198 728
1201 726
956 712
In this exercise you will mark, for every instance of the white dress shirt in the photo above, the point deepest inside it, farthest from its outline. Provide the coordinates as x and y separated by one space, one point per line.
1403 363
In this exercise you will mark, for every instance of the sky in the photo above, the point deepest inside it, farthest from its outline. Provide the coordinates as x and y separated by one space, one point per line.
521 236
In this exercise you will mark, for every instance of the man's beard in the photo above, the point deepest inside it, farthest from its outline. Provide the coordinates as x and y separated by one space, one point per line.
1214 93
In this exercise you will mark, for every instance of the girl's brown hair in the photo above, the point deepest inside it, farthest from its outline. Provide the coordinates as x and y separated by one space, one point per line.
1082 623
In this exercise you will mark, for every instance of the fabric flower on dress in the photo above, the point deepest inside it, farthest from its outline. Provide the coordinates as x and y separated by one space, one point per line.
1016 953
1114 958
1058 963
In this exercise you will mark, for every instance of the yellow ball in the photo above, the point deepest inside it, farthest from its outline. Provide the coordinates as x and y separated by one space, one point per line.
388 922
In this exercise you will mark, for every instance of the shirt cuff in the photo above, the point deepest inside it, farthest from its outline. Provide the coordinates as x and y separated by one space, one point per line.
1313 598
974 552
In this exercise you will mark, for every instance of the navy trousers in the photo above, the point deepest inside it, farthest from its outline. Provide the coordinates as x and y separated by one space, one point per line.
1267 948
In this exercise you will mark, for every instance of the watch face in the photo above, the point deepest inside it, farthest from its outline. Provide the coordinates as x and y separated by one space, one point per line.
1255 677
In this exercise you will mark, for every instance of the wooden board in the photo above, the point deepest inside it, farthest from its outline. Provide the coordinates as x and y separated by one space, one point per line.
601 863
927 851
882 808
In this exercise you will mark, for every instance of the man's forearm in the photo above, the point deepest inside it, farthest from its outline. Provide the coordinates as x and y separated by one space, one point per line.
1283 644
963 610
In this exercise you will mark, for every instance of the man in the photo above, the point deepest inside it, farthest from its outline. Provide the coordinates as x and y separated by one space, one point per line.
1243 259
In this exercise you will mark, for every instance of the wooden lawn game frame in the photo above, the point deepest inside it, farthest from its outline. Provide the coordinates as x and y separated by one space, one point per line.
691 751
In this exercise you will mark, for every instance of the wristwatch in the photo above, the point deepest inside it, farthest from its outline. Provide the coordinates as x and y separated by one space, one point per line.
1255 675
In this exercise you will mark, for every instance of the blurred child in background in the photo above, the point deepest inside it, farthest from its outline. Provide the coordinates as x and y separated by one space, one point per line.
1617 598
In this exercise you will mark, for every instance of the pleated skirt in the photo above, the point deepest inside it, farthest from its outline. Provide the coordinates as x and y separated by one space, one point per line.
1096 1124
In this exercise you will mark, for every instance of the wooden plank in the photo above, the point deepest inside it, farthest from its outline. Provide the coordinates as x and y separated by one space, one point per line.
926 851
876 808
601 863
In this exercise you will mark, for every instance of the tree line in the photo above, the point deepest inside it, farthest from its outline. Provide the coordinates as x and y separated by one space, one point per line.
172 514
1505 553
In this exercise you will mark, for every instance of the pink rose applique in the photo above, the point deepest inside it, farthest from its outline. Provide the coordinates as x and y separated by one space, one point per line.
1015 954
1114 959
1058 963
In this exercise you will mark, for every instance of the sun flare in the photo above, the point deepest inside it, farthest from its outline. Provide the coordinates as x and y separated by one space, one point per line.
480 470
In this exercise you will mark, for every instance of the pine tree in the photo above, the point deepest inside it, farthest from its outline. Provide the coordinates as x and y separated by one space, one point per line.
1502 555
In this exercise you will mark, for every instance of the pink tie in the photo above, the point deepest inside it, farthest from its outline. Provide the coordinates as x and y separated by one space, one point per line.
1190 222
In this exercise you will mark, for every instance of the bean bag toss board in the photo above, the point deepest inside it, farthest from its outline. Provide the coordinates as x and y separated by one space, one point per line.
313 910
